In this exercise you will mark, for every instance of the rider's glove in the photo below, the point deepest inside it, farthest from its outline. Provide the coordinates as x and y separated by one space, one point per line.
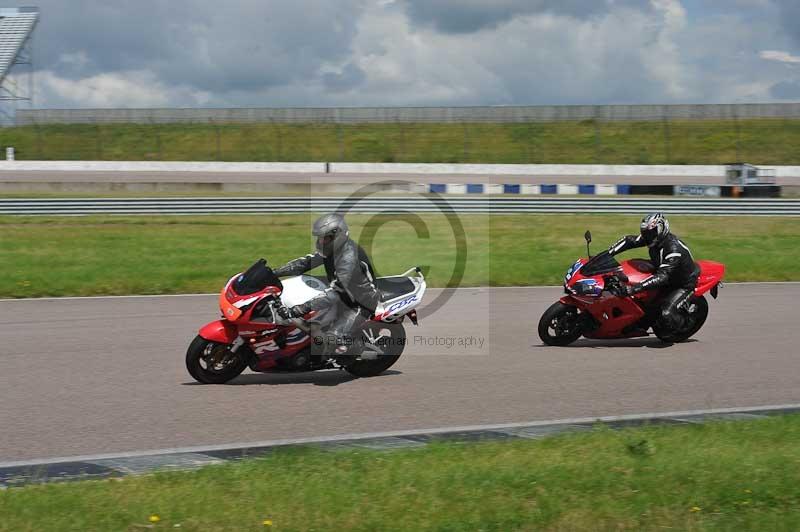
287 313
631 289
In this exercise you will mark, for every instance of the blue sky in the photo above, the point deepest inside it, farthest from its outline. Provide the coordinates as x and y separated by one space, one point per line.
192 53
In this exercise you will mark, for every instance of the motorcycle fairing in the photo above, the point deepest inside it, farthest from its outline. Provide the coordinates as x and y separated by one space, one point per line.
710 276
221 331
402 304
301 289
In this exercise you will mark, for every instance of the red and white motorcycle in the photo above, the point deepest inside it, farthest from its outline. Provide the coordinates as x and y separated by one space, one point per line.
249 335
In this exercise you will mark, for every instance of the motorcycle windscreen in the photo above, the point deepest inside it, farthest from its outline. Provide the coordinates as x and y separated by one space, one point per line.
256 278
600 263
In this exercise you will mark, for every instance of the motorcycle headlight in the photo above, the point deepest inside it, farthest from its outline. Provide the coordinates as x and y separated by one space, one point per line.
587 287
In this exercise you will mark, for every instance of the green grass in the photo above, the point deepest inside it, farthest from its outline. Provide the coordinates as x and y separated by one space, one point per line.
742 475
758 141
108 255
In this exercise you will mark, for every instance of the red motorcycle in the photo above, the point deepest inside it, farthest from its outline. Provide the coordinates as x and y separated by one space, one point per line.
592 307
252 334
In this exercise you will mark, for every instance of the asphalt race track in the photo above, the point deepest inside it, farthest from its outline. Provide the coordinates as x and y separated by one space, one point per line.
102 375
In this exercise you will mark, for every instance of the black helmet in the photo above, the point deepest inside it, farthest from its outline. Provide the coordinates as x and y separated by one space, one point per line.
654 229
331 233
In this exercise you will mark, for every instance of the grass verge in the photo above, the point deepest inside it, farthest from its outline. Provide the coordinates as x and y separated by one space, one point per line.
110 255
758 141
742 475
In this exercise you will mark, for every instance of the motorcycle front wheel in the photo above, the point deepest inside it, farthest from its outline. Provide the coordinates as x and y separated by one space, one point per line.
212 362
560 325
388 340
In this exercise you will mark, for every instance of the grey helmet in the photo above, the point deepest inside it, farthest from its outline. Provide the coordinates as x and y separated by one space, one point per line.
654 229
331 233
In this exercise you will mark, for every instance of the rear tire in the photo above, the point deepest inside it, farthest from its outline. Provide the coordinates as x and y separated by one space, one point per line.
390 338
694 322
560 325
212 363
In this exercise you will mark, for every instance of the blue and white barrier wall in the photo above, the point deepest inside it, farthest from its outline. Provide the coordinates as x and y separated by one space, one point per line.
494 188
603 190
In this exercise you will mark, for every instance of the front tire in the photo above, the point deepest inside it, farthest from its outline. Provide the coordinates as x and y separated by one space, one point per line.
212 362
560 325
389 339
694 322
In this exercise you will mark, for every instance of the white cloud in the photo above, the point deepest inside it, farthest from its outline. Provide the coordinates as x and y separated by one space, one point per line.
116 89
663 58
777 55
411 52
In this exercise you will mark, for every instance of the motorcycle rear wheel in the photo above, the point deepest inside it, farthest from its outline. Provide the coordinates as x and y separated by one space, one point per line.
212 363
563 320
694 322
390 338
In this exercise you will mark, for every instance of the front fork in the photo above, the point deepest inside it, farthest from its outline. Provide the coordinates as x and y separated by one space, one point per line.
586 321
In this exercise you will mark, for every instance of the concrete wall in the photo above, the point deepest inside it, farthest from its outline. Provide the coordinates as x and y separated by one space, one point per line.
414 114
655 170
533 169
160 166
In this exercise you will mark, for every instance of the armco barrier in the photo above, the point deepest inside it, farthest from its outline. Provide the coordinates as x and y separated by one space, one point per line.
479 204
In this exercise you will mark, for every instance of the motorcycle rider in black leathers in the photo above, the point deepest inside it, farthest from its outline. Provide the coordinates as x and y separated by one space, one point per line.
352 297
675 271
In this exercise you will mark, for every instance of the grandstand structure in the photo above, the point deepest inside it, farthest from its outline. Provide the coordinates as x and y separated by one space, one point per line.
16 57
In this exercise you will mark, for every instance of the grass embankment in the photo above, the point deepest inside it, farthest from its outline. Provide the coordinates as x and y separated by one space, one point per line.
110 255
758 141
719 476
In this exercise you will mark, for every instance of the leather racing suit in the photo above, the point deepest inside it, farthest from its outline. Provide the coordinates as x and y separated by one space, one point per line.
675 271
349 302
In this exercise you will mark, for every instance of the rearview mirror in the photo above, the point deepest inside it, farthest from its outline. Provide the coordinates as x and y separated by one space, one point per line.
588 236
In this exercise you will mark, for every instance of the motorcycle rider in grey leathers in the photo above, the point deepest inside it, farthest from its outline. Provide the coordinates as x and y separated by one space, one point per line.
335 317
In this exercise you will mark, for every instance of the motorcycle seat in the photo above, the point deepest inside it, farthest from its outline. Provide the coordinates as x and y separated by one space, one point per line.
393 287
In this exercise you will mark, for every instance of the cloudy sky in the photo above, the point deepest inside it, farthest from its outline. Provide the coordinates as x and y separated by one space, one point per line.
269 53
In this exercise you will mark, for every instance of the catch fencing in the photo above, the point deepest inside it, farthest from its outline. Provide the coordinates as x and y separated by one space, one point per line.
348 115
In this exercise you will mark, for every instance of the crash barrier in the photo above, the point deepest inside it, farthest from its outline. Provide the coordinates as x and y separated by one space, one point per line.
160 166
724 191
407 203
706 180
561 173
494 188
